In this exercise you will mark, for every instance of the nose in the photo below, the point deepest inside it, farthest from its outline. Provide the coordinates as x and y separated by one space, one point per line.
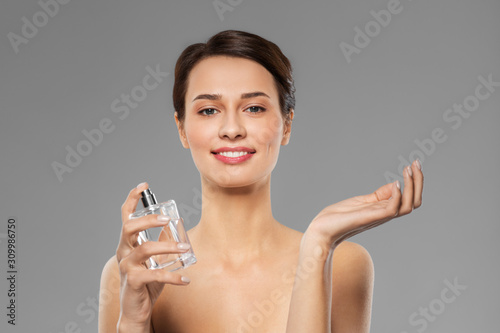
232 126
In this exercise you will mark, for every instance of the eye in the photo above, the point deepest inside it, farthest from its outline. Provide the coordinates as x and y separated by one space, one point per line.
256 109
208 112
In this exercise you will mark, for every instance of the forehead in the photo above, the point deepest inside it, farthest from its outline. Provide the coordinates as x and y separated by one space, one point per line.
229 76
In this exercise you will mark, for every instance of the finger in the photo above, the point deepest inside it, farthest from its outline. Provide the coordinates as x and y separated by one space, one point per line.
132 200
407 200
130 232
382 193
139 278
151 248
395 201
132 227
376 213
126 244
418 181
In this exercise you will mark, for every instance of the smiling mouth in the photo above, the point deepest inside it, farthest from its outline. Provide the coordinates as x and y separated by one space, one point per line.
233 153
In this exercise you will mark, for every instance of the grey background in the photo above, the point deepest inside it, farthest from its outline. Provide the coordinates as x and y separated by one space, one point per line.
353 122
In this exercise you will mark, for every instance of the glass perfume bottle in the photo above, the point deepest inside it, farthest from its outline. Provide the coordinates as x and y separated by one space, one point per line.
173 231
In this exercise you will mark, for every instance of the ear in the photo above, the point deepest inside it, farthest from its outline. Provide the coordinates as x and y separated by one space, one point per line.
287 129
182 133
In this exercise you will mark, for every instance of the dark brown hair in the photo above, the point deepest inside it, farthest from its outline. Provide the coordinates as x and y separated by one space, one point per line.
234 43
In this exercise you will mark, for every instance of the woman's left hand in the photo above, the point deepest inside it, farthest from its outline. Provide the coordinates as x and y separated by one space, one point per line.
347 218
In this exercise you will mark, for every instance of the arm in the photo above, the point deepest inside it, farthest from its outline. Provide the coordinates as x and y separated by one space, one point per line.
349 272
310 305
352 289
128 289
109 297
333 290
109 302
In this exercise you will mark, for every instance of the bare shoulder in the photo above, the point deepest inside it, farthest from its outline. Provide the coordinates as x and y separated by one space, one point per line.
109 296
349 253
110 277
111 264
293 234
352 288
351 261
110 271
352 264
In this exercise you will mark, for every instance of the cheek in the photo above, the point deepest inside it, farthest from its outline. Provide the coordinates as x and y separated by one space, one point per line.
199 142
269 133
198 136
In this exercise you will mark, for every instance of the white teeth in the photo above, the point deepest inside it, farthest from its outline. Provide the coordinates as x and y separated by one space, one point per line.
233 153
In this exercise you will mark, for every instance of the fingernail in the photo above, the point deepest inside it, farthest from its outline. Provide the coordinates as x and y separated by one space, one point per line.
410 173
140 185
398 185
419 166
183 246
185 279
163 218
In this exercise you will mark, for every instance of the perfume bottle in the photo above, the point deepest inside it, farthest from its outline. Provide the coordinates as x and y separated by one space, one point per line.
173 231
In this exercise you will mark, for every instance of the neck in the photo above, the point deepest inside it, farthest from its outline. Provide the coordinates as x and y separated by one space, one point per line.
237 222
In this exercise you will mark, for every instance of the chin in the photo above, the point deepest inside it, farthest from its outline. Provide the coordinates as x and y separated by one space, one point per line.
240 180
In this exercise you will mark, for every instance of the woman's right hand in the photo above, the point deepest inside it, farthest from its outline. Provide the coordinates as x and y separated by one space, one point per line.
140 287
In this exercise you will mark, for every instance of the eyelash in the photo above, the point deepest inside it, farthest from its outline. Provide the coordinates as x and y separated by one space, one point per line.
202 112
258 107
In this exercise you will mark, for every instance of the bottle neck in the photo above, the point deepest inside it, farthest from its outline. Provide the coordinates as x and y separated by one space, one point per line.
148 198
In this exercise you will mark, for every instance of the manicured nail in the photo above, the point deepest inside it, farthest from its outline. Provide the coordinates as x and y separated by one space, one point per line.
419 166
398 185
163 218
183 246
140 185
185 279
410 173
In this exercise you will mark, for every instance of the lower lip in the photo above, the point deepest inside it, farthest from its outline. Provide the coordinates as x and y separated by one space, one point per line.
233 160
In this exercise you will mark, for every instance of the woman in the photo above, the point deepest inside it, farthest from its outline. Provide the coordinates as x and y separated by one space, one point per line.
234 101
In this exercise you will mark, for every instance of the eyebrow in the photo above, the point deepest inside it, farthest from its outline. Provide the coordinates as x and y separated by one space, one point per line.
216 97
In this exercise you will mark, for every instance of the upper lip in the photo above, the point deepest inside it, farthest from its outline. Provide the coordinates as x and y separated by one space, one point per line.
219 150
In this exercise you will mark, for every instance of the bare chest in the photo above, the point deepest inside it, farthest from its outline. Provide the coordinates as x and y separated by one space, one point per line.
250 300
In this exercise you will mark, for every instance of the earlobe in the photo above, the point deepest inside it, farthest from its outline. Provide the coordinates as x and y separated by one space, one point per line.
180 129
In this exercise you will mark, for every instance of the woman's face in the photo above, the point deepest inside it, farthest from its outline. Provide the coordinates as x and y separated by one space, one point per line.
233 124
